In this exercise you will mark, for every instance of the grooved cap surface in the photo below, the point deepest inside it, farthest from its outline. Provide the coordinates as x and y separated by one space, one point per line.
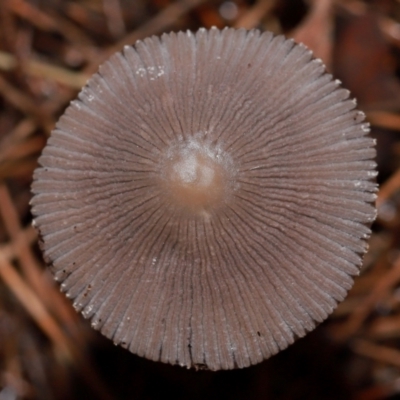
207 198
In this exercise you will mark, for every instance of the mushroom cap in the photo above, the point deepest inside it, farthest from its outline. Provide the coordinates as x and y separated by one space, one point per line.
207 198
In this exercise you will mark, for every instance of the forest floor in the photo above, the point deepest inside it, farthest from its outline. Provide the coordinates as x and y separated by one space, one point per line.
48 49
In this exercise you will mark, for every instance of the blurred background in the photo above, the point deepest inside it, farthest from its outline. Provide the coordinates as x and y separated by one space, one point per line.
48 49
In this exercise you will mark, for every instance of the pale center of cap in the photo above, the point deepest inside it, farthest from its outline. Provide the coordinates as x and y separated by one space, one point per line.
194 179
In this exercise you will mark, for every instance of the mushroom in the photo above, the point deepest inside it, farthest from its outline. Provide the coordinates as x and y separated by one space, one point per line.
208 197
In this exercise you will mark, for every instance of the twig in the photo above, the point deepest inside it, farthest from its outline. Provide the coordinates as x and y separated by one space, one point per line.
379 290
21 101
377 352
316 31
47 22
65 347
383 119
391 29
34 306
19 169
353 7
68 349
11 250
11 222
113 14
40 69
388 189
385 327
30 267
23 149
161 22
254 16
20 132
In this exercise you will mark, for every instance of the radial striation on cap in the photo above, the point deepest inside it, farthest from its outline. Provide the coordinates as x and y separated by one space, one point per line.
208 197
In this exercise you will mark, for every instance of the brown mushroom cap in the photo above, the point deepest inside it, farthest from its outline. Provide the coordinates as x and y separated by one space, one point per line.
208 197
